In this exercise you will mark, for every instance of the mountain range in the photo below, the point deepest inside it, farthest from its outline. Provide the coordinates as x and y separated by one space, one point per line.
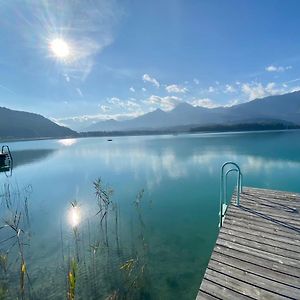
284 108
19 125
269 112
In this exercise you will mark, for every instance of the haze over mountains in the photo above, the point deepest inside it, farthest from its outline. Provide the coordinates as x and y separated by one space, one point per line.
284 108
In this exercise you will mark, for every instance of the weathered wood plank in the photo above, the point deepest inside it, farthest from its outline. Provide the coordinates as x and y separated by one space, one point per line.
261 215
266 192
220 291
261 282
250 211
262 238
260 253
261 270
283 212
264 222
257 253
277 266
204 296
273 198
258 227
240 286
259 246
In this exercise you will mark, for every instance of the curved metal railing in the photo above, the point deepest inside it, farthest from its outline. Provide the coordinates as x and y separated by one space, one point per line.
7 168
234 167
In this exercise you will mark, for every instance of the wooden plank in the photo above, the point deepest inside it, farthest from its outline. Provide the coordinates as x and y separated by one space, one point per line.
271 208
262 191
278 215
260 282
259 246
284 203
240 286
252 258
263 222
258 227
257 253
264 234
204 296
267 239
263 215
261 270
260 253
220 291
273 198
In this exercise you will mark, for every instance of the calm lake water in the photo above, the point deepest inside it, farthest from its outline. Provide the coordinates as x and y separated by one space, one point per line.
166 237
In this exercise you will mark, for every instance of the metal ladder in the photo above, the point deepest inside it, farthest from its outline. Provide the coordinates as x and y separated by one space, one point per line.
226 169
8 161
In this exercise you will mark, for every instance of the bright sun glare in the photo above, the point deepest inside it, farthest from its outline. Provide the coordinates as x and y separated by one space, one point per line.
60 48
74 216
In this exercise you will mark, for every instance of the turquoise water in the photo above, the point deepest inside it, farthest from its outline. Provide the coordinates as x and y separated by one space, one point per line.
174 229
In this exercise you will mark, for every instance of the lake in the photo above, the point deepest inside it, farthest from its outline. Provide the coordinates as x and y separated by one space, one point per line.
151 236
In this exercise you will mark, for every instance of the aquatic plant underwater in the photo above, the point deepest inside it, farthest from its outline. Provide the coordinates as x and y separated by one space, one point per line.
98 258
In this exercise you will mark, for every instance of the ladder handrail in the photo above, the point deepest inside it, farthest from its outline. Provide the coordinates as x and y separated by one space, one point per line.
223 186
240 180
5 150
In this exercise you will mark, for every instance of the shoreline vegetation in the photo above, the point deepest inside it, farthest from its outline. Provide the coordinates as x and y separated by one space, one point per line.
94 256
189 129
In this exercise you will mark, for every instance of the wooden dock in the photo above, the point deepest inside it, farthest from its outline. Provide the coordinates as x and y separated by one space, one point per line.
257 253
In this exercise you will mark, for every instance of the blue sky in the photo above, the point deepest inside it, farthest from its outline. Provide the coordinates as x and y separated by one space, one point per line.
126 58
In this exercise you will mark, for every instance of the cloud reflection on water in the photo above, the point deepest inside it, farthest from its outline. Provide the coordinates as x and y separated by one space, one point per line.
169 163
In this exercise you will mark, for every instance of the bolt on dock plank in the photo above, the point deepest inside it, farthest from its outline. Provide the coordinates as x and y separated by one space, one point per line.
257 253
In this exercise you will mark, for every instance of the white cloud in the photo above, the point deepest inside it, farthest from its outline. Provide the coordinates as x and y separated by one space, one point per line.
98 117
126 105
204 102
114 100
273 68
211 89
131 105
167 103
295 89
293 80
78 90
148 78
104 108
144 90
67 77
132 89
174 88
258 90
196 81
229 89
232 103
253 91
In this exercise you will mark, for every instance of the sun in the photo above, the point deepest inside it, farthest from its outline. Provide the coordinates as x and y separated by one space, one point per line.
60 48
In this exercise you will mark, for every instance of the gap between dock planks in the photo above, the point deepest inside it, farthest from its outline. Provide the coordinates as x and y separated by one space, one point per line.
257 252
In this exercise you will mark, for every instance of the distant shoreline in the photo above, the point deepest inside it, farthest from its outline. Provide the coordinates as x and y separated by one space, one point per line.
144 133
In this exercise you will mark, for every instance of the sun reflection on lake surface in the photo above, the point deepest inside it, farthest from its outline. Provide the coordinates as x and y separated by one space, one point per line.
74 216
67 142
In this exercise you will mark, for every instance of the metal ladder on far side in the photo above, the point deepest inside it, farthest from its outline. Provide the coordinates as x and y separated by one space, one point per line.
8 164
226 169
